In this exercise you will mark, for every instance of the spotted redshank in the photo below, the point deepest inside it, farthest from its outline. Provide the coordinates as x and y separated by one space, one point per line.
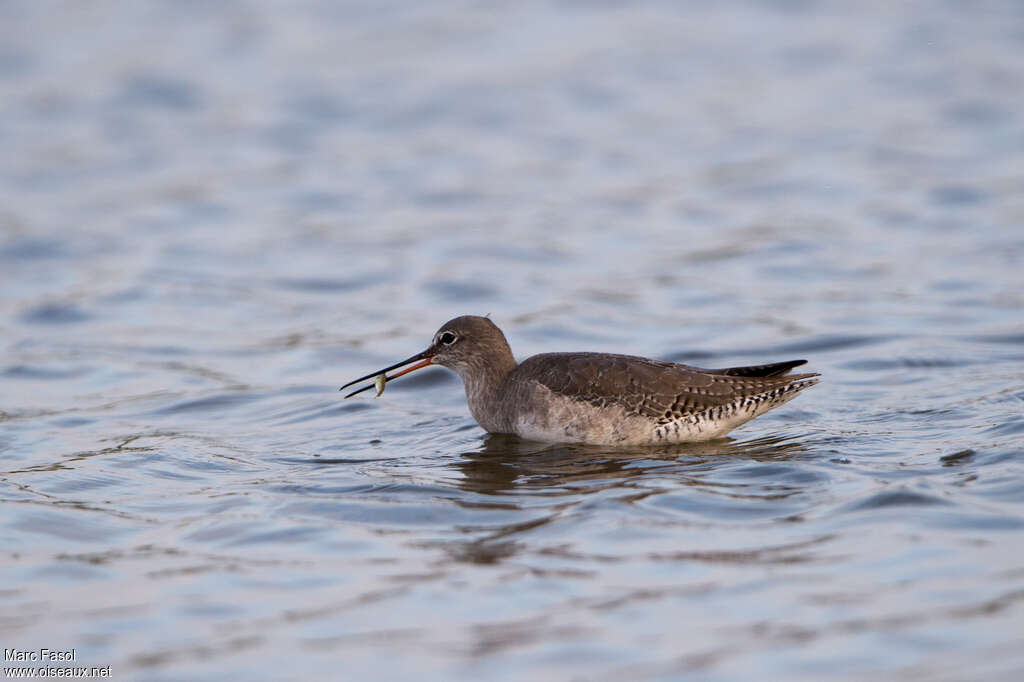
597 398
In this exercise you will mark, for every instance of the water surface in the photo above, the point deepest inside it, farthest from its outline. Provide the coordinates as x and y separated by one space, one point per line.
214 214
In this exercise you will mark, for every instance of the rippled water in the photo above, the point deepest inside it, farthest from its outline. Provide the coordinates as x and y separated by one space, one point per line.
214 214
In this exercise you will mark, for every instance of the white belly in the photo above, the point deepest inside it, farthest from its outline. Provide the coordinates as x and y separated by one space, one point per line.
562 420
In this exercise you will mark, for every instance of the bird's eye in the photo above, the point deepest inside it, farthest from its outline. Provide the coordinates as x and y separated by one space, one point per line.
447 338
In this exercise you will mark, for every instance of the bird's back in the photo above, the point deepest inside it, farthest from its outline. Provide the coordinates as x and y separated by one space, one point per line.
628 399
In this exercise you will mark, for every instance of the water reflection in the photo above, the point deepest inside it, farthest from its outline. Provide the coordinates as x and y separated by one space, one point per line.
504 464
524 487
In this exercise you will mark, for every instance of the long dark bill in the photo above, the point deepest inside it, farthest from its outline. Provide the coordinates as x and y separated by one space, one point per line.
425 358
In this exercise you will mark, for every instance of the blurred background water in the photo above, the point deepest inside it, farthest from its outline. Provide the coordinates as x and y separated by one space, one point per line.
215 213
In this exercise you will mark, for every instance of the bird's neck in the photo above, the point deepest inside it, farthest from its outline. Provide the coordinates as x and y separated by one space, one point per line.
483 390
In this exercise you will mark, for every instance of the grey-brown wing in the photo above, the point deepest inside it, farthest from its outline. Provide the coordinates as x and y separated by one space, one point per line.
773 369
656 390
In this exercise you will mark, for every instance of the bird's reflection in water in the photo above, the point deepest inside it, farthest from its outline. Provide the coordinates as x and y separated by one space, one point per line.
507 476
506 463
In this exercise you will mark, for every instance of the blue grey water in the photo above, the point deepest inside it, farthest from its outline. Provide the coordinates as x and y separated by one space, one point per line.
213 214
